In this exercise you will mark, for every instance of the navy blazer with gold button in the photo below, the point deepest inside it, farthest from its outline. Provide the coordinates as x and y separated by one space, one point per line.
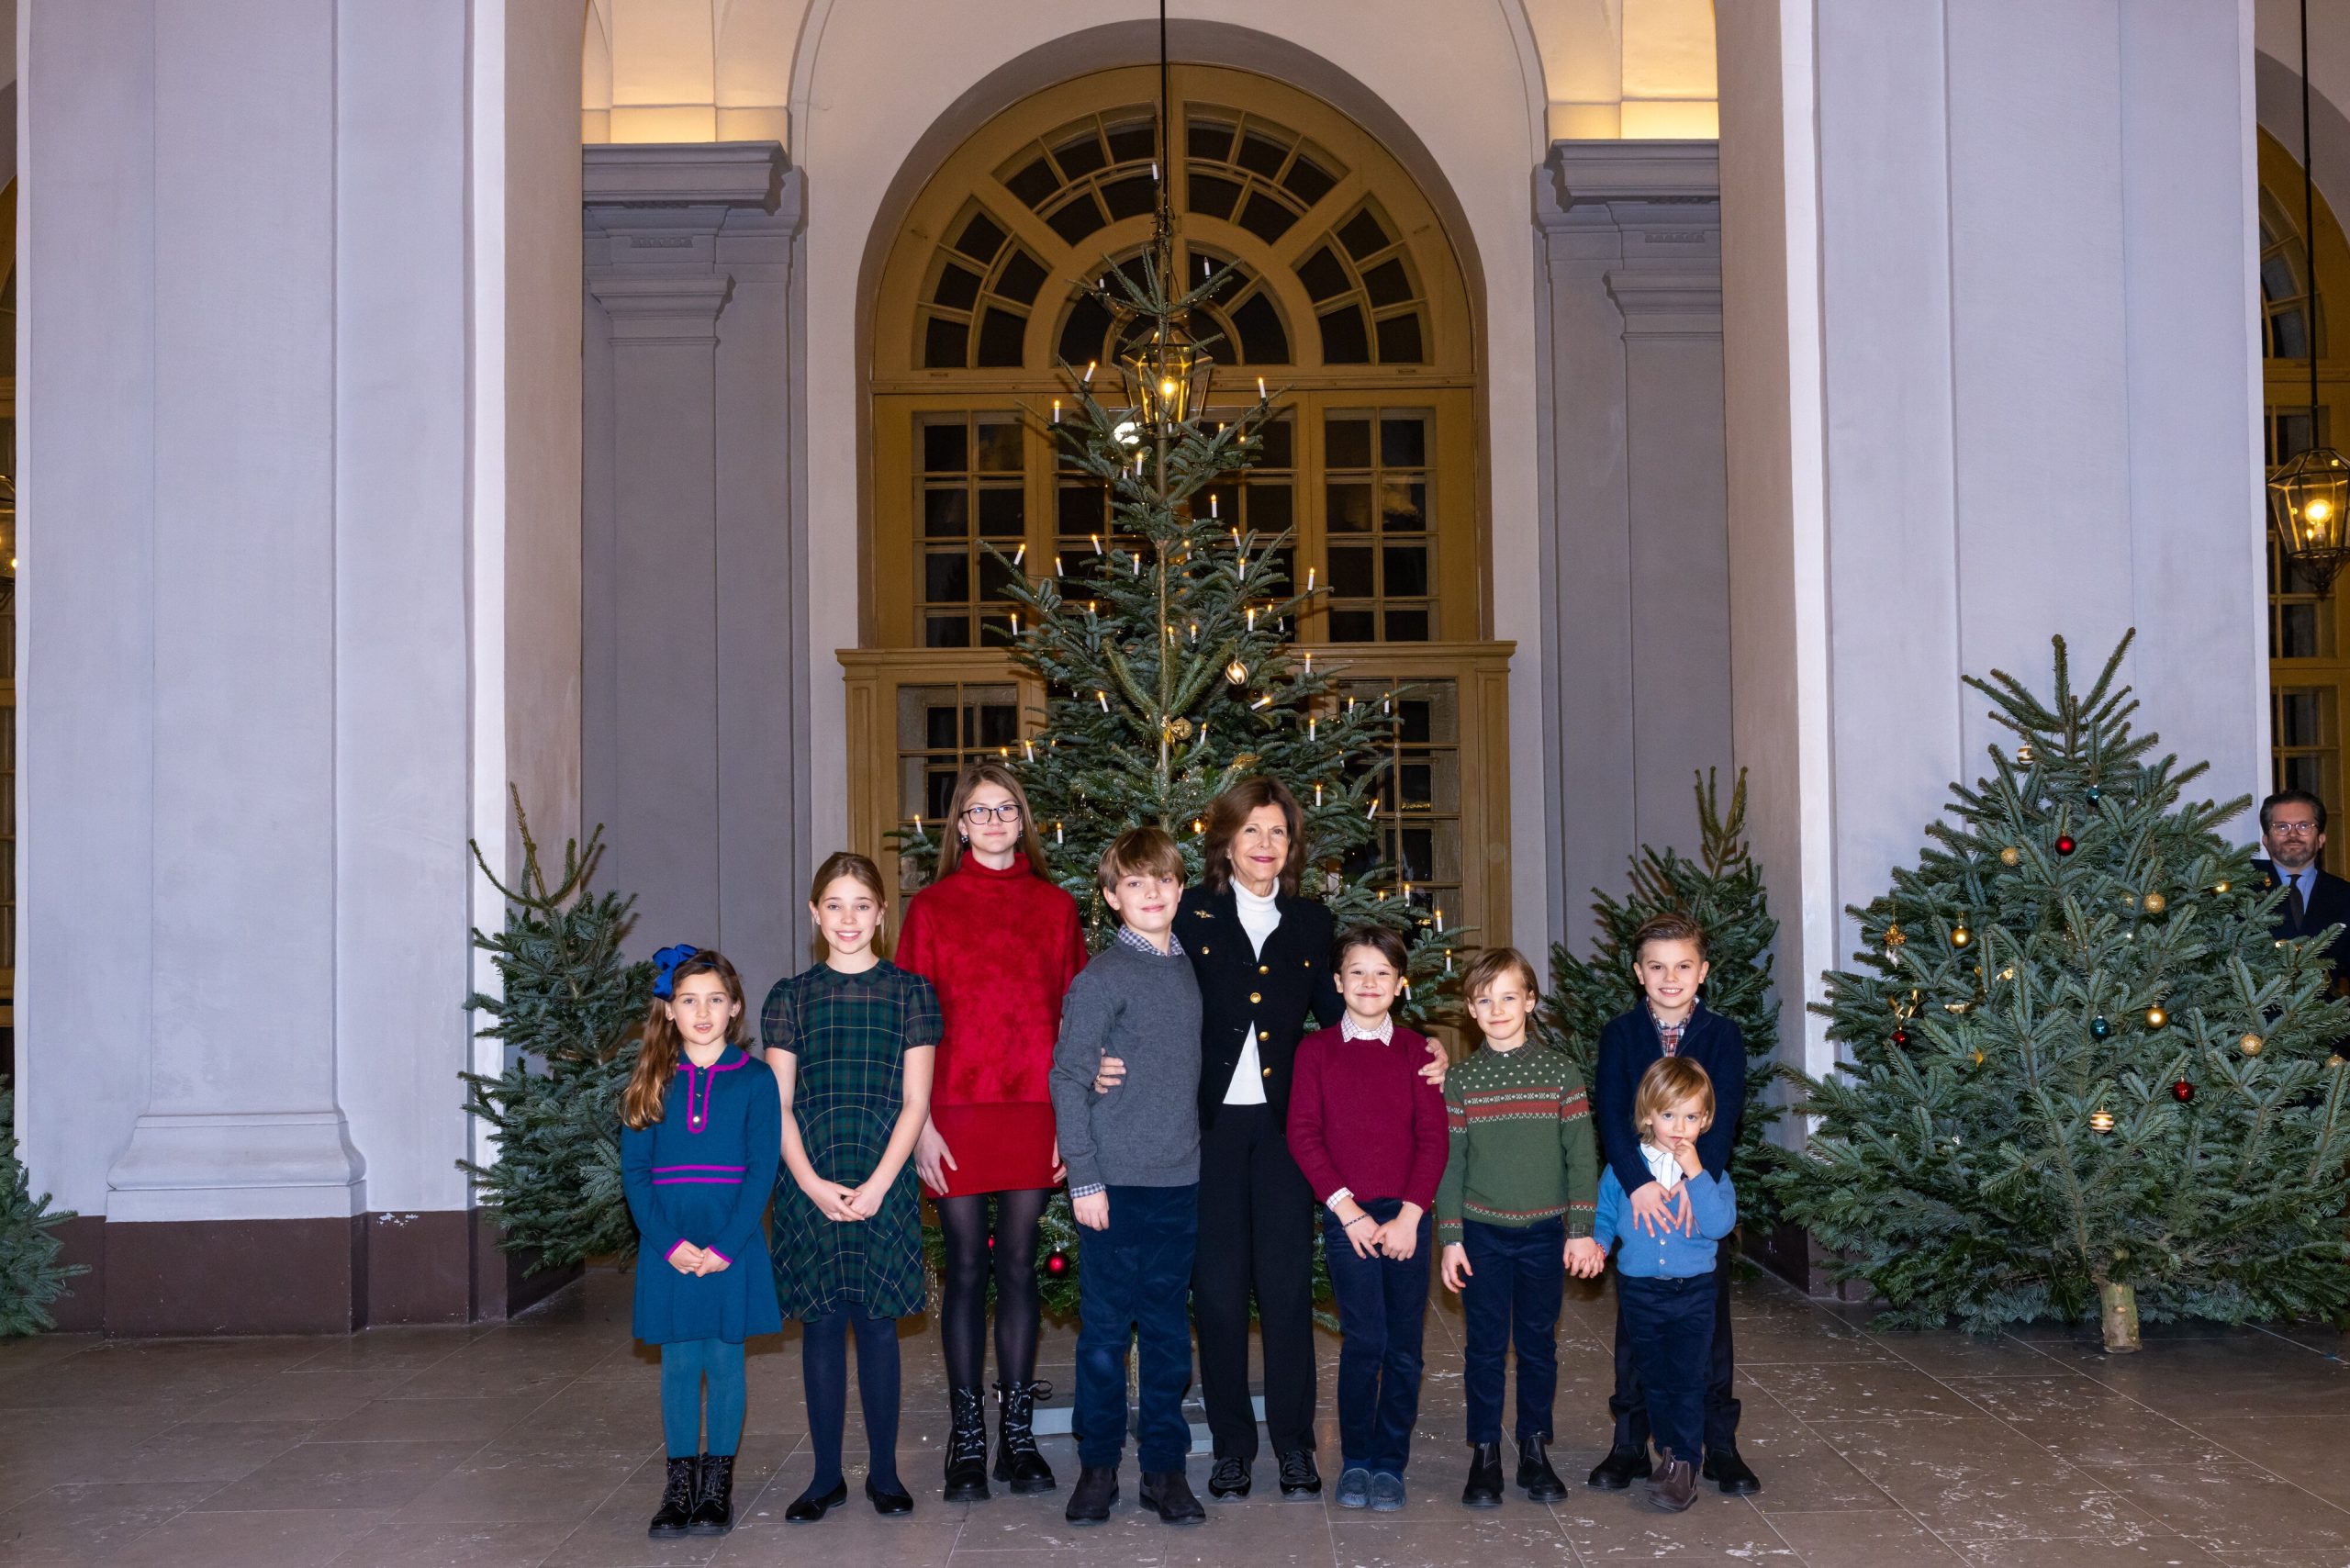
1271 991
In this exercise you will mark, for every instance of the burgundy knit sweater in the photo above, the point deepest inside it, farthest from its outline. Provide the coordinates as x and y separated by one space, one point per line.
1360 1116
1001 949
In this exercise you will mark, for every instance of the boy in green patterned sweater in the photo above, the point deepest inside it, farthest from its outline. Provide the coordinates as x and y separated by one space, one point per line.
1514 1214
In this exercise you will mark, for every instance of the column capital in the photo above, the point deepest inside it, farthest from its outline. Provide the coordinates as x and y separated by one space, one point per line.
1669 300
683 175
1634 199
667 306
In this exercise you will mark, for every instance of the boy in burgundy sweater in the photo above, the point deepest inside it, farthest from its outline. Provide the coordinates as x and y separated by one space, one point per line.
1367 1131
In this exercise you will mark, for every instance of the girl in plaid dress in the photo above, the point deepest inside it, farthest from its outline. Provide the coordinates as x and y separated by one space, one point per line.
851 1043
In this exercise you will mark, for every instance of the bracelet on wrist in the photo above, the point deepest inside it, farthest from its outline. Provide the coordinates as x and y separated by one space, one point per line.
1349 1224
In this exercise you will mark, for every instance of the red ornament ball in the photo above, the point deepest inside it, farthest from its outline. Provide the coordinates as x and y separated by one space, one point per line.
2182 1092
2064 845
1056 1265
1901 1036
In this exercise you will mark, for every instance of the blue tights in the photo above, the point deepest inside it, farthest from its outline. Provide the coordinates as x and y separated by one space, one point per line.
684 1364
823 1363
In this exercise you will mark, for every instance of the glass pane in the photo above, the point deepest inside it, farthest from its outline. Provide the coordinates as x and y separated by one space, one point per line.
1280 444
1403 506
1083 333
980 238
1323 276
1269 507
1021 278
1133 142
1002 338
1406 571
1346 443
944 514
1362 235
1265 217
1344 337
1403 440
1350 509
946 632
1407 626
1399 340
1309 180
997 579
958 288
1350 573
1211 195
1388 284
1132 197
946 577
999 447
1260 154
1080 155
1082 511
1211 140
946 345
1034 185
2296 637
1002 513
1257 325
2302 716
1353 626
1079 218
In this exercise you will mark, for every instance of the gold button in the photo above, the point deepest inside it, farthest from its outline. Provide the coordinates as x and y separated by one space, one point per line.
1204 952
1265 1034
1269 1072
1264 968
1253 997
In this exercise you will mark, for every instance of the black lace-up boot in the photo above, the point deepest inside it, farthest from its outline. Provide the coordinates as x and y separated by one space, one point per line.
967 1448
677 1501
714 1502
1017 1464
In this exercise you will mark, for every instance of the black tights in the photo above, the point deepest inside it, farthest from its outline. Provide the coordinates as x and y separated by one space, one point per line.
965 1309
823 1369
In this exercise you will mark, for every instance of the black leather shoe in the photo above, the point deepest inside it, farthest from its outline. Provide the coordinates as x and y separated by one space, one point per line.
1485 1488
811 1505
966 1447
1017 1464
676 1500
1300 1478
1535 1477
1090 1499
1621 1467
1167 1494
1723 1465
714 1499
1230 1478
888 1503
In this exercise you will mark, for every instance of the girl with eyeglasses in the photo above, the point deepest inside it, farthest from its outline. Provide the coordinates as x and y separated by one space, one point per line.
1000 942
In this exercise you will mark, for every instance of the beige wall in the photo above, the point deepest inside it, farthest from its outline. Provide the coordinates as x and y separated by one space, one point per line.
721 69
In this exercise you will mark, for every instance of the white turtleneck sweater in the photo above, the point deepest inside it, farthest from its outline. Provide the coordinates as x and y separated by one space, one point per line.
1258 915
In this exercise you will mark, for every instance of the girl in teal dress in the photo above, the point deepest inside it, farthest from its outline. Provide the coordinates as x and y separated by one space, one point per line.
851 1043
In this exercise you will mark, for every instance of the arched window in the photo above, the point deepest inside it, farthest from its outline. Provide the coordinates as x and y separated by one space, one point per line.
2309 639
1343 293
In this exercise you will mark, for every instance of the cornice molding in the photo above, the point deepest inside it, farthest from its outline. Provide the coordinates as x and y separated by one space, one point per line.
693 174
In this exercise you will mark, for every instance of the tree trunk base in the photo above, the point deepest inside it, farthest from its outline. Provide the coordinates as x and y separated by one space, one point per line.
2120 1316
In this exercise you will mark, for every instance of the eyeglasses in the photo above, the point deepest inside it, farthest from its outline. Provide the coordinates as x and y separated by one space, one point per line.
2292 830
1007 813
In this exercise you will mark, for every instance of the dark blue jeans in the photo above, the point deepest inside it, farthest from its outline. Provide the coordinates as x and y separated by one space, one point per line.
1628 1405
1671 1324
1383 1308
1518 1279
1133 1284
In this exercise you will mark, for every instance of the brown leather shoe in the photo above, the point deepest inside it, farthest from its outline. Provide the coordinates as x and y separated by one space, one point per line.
1675 1486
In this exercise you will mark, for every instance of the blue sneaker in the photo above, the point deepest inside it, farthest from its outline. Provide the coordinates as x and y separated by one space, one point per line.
1386 1493
1354 1487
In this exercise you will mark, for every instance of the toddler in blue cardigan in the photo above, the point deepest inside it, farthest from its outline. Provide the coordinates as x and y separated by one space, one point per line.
1664 1282
701 1134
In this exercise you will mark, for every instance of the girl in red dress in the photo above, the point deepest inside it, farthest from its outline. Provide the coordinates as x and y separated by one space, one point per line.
1000 943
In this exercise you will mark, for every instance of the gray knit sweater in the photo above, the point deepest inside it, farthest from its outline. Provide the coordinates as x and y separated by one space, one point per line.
1145 1009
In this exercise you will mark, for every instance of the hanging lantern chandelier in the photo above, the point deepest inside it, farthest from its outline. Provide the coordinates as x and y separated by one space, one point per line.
1166 372
2310 494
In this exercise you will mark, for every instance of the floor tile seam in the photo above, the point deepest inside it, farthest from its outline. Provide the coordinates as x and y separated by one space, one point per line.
2274 1473
1895 1503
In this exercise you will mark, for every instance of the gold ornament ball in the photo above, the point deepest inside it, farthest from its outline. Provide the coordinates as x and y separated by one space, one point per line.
2010 855
1236 672
2218 887
2157 1018
2102 1120
1960 936
2129 900
2023 754
2336 1060
2155 903
1179 728
2250 1045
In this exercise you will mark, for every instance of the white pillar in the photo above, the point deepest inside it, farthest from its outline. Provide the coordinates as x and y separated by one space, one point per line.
1636 563
693 583
1993 375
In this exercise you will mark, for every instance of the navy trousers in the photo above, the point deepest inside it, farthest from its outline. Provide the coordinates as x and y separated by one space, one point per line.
1382 1309
1628 1406
1133 1283
1671 1324
1517 1278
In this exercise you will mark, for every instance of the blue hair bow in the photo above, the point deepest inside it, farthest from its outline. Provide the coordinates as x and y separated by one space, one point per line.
664 978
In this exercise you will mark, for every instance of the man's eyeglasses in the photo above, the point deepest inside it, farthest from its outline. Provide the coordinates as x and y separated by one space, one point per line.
1007 813
2292 830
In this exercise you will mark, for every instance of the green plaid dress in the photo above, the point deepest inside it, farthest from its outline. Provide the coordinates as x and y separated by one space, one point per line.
850 1034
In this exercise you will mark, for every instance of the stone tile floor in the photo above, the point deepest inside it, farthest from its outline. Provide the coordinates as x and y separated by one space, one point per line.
538 1442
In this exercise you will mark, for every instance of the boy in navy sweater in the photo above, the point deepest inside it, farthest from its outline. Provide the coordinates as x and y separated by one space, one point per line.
1669 954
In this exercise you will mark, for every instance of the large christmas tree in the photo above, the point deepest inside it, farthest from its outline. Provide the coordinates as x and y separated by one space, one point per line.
568 1011
2083 1074
1721 889
1169 663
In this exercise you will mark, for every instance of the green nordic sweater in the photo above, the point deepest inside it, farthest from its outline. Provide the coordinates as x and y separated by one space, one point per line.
1520 1148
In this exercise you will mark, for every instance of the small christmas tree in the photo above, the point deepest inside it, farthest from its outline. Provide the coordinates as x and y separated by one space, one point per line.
2084 1075
30 1275
568 1011
1169 666
1722 891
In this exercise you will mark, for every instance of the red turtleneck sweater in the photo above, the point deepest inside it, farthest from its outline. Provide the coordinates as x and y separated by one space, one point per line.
1001 947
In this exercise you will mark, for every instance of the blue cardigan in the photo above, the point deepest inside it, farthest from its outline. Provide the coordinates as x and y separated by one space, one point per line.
1627 1047
703 1173
1671 1256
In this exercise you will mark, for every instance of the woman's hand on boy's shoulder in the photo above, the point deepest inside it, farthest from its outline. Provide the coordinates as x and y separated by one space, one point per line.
1438 1064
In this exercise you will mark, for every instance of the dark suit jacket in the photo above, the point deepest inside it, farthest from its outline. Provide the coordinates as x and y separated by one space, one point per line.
1274 990
1627 1047
2329 904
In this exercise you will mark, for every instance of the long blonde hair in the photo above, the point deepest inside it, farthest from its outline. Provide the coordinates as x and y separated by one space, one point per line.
986 770
858 870
656 1057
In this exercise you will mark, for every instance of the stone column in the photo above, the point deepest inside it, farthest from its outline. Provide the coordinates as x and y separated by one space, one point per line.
1993 375
1637 639
692 590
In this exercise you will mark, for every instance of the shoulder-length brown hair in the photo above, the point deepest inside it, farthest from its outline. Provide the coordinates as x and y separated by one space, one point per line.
1230 812
657 1057
989 771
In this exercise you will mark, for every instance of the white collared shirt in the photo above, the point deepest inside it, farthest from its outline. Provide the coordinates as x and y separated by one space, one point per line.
1662 1165
1259 916
1350 1030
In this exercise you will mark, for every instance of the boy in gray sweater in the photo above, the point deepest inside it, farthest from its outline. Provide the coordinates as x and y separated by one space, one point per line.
1133 1155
